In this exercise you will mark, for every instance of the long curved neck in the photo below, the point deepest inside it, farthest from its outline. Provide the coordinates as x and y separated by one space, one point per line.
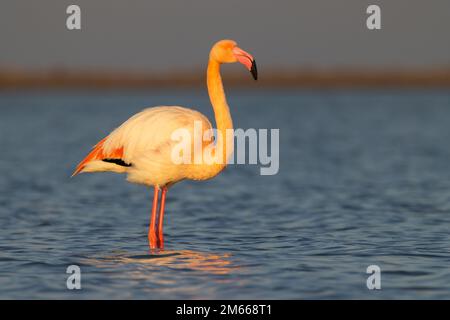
221 110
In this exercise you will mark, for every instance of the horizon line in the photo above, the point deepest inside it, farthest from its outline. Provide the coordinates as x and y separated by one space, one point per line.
65 78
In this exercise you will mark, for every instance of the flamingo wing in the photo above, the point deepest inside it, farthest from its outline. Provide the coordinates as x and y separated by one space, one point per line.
142 145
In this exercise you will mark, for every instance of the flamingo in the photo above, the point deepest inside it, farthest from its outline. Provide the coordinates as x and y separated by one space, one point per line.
141 147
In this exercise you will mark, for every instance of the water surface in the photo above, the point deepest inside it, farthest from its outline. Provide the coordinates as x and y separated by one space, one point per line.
364 179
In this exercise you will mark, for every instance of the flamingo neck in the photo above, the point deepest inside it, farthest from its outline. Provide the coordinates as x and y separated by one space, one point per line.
221 112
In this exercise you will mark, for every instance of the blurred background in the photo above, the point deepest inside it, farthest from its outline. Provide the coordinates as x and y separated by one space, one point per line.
166 43
364 178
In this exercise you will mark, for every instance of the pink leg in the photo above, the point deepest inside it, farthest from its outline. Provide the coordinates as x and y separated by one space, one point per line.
161 218
152 239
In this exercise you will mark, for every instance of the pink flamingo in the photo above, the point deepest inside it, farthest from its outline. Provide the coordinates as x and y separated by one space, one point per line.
142 145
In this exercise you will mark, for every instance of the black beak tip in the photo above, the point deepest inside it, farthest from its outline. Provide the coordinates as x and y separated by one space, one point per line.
254 70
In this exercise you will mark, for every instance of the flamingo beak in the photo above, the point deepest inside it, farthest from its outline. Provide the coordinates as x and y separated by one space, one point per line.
254 70
247 60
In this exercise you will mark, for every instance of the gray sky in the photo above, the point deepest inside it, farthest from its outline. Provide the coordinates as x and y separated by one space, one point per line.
174 34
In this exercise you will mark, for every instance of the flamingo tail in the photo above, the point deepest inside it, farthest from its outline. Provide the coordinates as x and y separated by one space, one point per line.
95 154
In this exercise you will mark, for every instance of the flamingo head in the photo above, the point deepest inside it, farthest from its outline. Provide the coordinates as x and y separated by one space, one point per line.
227 51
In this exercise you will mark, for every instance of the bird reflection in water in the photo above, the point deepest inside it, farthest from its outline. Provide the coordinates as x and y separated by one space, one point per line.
212 263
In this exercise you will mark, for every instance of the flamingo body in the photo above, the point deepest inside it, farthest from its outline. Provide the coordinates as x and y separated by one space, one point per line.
142 146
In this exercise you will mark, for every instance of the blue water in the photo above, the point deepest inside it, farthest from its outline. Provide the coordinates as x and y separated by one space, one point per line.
364 179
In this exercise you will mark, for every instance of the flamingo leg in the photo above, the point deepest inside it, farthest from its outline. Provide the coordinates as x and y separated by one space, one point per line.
152 238
161 218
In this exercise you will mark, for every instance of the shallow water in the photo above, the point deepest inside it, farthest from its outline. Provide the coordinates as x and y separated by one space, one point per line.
364 179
